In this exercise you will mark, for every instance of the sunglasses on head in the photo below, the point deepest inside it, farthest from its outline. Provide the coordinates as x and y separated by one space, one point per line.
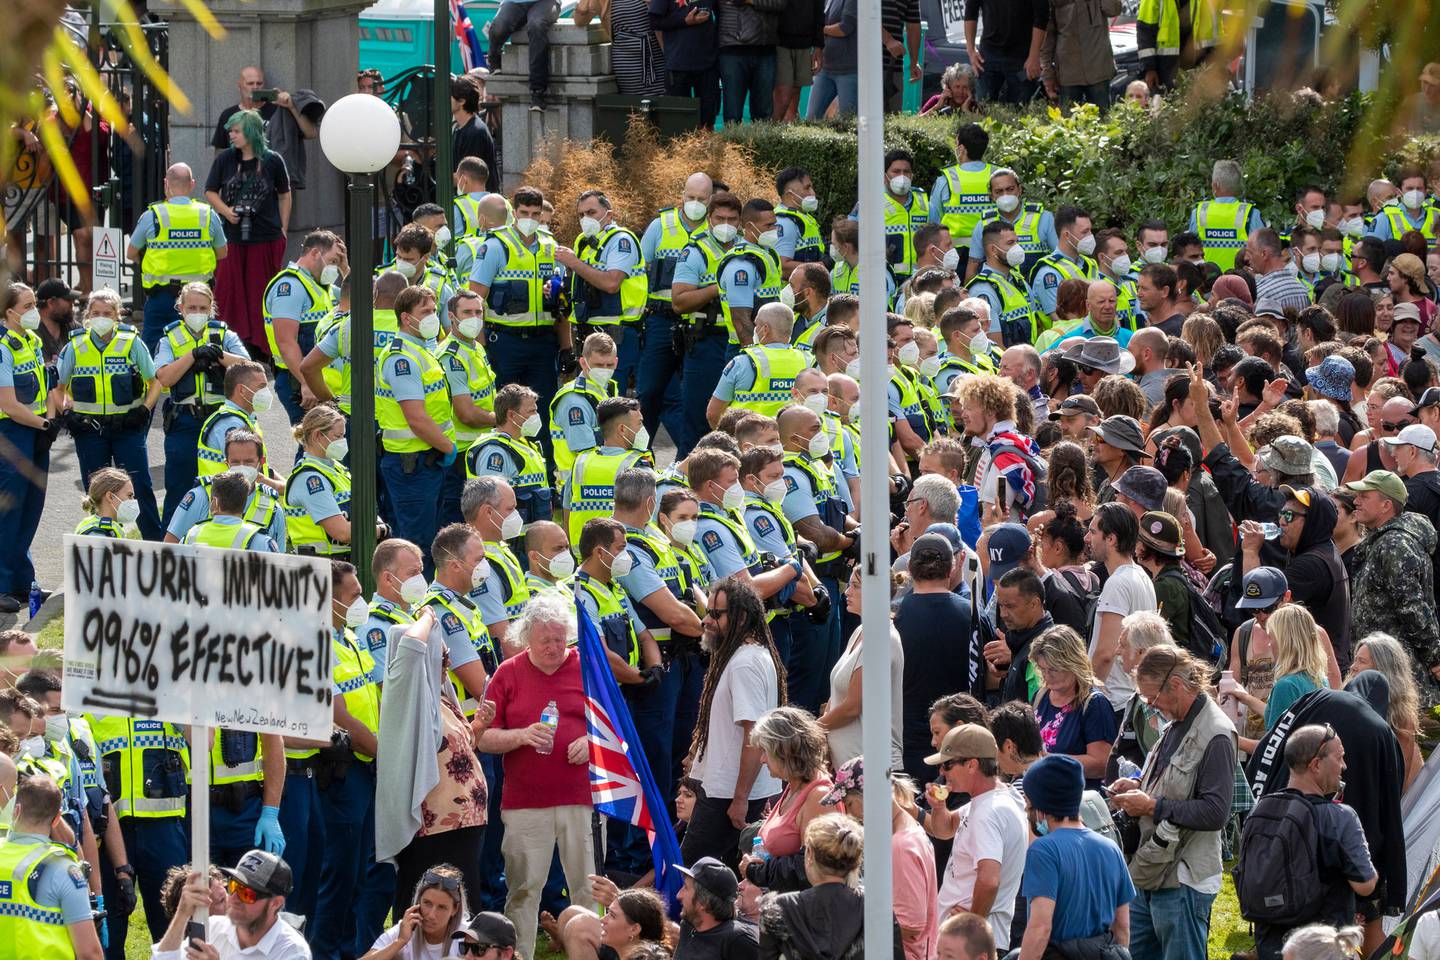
433 879
1329 735
243 893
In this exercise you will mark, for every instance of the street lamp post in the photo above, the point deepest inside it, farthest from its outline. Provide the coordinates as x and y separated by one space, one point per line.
360 136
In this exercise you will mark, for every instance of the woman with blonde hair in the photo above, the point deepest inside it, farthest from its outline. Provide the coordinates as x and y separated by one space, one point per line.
795 749
1382 652
1204 335
436 911
828 919
1320 941
110 508
317 492
1300 663
921 309
1075 717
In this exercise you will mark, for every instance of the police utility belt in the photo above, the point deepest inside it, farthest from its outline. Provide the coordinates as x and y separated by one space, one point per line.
235 796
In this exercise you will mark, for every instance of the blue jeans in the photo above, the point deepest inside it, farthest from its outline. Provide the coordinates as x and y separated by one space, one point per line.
182 465
702 371
159 314
154 845
1003 79
124 449
21 503
1096 93
828 86
747 74
348 809
415 499
528 357
303 822
1170 924
657 382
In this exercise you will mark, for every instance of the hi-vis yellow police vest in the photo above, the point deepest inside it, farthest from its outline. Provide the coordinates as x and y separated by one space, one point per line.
1223 226
615 626
583 386
249 765
1165 15
95 526
809 246
517 294
395 433
505 565
776 367
1401 225
146 764
901 221
1026 227
211 460
593 306
384 326
304 534
27 355
968 196
223 536
669 251
182 249
767 272
469 358
28 928
592 486
469 616
354 681
321 305
194 386
104 382
1019 321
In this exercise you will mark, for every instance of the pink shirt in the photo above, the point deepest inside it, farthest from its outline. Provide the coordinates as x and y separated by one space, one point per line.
781 830
913 865
521 691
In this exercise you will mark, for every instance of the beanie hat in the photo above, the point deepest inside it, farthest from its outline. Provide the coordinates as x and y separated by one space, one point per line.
1053 785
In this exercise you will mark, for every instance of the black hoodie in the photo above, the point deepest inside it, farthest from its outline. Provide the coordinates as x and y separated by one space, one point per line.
1317 576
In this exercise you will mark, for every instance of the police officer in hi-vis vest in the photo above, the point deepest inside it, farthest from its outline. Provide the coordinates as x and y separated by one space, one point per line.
297 299
608 289
762 375
244 451
1225 222
1032 223
589 491
489 506
472 388
327 368
801 240
962 191
227 527
400 584
177 241
907 208
574 427
510 452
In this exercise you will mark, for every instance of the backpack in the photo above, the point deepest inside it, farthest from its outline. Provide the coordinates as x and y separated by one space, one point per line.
1277 878
1207 636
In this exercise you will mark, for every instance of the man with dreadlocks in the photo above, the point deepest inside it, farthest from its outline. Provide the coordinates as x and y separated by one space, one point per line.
745 680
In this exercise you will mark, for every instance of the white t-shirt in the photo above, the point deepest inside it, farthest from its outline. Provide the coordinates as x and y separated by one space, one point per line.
428 951
747 690
1425 945
992 827
845 741
1128 590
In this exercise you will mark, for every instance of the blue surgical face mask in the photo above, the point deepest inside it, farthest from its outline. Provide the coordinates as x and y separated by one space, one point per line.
1042 827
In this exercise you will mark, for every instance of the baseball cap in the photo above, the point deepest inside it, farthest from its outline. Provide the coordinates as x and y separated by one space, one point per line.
1261 588
1407 313
930 547
1269 307
1007 546
1430 398
1384 481
969 741
55 287
262 872
1287 455
1431 73
1075 406
1144 485
1120 431
1416 435
714 876
850 778
488 927
1161 532
1413 268
1332 377
950 532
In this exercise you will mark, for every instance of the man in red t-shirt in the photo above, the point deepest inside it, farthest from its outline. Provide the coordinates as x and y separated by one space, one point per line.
545 800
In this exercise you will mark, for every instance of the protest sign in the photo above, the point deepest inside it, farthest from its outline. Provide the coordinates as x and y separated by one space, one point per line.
195 635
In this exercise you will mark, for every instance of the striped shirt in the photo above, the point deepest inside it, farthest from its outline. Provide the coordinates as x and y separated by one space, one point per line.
1279 285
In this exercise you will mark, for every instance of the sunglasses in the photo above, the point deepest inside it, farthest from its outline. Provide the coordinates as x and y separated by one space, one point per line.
433 879
1290 516
947 764
1394 426
476 949
715 613
1329 735
243 893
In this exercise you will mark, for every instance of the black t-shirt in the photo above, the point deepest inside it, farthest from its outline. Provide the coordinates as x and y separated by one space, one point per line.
731 940
221 139
254 185
934 632
474 140
1008 24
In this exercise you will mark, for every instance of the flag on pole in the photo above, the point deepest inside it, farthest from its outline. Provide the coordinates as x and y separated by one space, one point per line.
620 782
470 51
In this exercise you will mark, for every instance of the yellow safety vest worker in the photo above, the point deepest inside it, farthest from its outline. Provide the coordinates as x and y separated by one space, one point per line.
249 755
29 928
259 509
395 433
469 208
517 294
104 382
182 249
1019 321
1223 226
353 676
224 536
338 372
93 526
528 482
809 247
901 221
1067 268
146 764
749 554
615 626
822 488
584 387
776 366
1400 224
469 616
968 196
592 485
305 535
654 544
468 358
31 382
1165 15
211 460
767 271
1026 226
321 304
669 251
196 387
907 384
711 250
504 563
588 304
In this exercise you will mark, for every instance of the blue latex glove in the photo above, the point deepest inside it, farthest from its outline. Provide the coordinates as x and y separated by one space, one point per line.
104 924
448 460
268 835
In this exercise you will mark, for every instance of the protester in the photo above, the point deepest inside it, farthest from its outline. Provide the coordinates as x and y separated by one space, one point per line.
1075 718
708 925
828 918
841 716
436 911
251 925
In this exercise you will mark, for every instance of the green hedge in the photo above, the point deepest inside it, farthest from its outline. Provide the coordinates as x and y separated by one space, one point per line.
1124 166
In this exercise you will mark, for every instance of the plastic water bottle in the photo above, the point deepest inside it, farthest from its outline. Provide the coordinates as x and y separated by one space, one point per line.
36 598
758 851
1233 709
1128 768
1271 530
550 716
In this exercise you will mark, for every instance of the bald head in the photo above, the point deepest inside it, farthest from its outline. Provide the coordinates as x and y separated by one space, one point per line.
797 425
387 287
810 380
1379 193
179 180
698 186
843 387
778 319
492 211
1396 410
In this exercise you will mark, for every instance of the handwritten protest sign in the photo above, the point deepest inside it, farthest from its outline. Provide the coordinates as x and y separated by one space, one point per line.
195 635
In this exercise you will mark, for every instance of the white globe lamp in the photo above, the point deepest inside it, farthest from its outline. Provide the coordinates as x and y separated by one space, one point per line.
360 134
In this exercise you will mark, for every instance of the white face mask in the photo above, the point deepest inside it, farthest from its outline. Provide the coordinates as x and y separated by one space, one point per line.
683 531
950 259
1315 219
101 326
775 491
1310 262
787 296
768 239
980 344
531 426
1413 199
56 727
262 399
196 321
337 450
1085 246
810 204
442 238
929 367
480 574
329 275
429 327
899 185
405 268
836 253
128 511
734 497
469 327
357 613
641 440
694 210
819 445
1153 254
249 473
1353 227
600 376
589 226
909 354
561 565
412 589
527 226
817 403
724 232
1330 262
1015 256
512 526
1120 265
852 369
33 746
1007 203
621 564
30 319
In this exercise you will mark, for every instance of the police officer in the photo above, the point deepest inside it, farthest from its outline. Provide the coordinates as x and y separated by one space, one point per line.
414 250
547 550
317 492
400 584
247 777
327 368
412 408
677 518
608 288
800 238
526 331
110 506
44 903
1070 260
1225 222
471 175
1113 262
695 295
243 451
1002 286
962 191
723 539
967 348
762 474
247 395
1031 223
841 411
748 274
907 208
110 378
807 292
193 354
662 247
845 252
761 378
508 452
297 299
182 240
227 527
589 491
472 389
1411 210
913 427
574 425
492 213
432 218
490 507
460 566
346 787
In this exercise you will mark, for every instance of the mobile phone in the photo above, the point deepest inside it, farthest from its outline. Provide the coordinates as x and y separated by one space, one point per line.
194 930
1106 789
264 95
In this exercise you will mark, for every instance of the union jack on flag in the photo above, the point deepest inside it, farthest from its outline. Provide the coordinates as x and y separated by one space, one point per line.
470 51
621 785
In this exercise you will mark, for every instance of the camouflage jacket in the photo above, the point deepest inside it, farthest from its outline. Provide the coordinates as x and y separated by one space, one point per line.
1393 587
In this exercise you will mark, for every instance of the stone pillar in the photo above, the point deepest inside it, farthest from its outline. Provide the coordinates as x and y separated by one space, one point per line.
579 72
300 44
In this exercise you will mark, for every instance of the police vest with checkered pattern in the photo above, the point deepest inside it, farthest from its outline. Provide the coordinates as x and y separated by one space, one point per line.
223 536
517 293
302 531
464 610
194 387
29 928
505 565
1026 227
395 433
1400 224
608 309
669 251
146 764
27 370
1019 321
767 278
581 386
529 479
968 197
479 377
654 545
615 626
901 221
212 460
809 245
104 381
182 249
353 676
321 305
1223 226
259 509
93 526
776 366
592 485
338 373
1127 312
248 757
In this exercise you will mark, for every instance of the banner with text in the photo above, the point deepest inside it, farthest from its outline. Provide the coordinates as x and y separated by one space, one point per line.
196 635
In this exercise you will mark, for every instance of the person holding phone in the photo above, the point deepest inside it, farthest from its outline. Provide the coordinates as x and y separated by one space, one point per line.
256 888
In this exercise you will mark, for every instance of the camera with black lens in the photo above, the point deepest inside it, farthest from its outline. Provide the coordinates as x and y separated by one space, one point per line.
246 213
